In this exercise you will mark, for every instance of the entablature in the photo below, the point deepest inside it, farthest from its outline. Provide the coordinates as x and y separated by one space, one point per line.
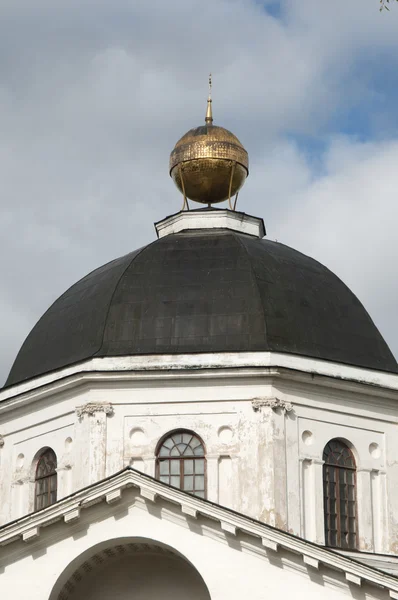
226 366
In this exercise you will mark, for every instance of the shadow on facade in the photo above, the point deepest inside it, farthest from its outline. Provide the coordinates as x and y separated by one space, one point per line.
120 567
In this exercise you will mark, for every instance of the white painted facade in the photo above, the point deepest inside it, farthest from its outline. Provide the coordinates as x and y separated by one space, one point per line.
264 419
264 429
99 543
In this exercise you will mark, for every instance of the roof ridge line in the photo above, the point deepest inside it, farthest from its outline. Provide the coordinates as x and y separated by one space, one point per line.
137 253
257 291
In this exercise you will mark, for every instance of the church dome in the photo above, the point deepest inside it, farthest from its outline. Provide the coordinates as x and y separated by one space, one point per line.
205 290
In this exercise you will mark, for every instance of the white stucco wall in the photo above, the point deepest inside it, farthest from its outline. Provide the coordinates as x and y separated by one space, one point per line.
232 566
266 463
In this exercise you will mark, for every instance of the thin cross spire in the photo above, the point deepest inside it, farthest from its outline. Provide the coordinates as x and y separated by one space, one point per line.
209 112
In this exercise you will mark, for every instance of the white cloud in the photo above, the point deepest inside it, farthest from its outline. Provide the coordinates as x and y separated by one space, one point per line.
347 218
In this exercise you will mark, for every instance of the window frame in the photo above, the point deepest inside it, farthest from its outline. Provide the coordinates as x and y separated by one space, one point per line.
180 459
47 478
337 469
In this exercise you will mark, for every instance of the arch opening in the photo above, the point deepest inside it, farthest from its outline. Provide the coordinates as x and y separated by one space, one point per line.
339 495
130 568
181 462
46 479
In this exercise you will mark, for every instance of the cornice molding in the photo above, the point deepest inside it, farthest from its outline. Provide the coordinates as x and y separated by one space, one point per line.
331 376
70 509
216 361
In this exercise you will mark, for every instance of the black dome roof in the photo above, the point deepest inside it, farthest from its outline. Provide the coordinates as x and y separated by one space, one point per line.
205 291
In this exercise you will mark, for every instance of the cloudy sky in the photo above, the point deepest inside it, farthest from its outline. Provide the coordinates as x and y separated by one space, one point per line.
95 93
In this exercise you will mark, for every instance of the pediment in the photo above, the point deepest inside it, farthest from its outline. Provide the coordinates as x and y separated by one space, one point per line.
130 505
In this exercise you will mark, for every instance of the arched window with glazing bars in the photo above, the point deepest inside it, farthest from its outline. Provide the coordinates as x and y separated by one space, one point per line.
339 493
181 462
46 479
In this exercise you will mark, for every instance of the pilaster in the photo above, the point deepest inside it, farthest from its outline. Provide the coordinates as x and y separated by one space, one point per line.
272 459
364 510
312 500
91 426
212 466
378 480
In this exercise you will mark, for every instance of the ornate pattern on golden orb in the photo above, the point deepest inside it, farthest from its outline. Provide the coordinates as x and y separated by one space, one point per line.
207 157
207 180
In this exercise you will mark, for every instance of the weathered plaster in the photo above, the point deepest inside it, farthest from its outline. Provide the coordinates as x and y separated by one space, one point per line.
264 456
220 544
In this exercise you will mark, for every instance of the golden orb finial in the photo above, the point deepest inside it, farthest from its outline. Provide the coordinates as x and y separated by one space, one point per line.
209 164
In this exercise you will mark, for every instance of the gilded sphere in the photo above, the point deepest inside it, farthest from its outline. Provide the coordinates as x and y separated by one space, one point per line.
209 164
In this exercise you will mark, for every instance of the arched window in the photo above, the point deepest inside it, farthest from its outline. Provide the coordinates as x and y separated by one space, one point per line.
181 462
339 483
46 479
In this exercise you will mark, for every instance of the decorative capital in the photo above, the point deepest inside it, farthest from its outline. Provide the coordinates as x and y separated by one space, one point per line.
20 478
92 408
274 403
63 467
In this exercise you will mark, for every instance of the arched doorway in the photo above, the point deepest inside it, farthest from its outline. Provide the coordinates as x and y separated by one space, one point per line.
132 571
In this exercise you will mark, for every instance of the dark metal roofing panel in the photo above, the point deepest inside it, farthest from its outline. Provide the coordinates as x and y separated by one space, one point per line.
205 291
311 312
186 293
72 328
